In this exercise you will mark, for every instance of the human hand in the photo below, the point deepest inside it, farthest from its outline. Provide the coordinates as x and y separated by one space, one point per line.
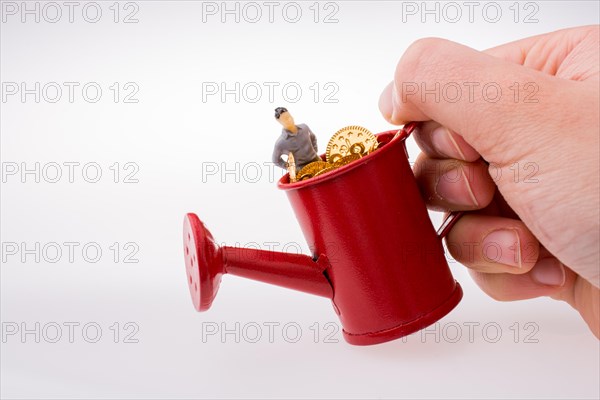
538 234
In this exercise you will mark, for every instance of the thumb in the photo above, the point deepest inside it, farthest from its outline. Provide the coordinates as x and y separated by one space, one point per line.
492 103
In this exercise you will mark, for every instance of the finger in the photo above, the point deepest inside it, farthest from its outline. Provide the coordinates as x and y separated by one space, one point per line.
540 52
548 277
454 184
481 95
546 51
438 141
498 207
584 297
493 244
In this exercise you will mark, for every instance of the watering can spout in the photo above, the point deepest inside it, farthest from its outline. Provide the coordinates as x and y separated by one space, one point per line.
206 263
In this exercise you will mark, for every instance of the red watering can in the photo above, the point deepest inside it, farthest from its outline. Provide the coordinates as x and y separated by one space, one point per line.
376 254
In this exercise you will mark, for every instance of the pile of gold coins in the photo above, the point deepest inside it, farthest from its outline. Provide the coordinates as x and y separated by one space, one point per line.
345 146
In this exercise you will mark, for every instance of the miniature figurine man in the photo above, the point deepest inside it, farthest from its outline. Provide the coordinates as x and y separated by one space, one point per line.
296 139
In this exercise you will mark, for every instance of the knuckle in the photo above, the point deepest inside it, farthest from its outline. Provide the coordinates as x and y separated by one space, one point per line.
425 45
418 58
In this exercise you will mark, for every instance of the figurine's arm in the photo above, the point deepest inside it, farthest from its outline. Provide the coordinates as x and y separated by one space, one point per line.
276 158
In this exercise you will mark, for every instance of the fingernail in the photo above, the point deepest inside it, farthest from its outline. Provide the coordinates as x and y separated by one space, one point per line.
549 271
450 188
503 246
444 142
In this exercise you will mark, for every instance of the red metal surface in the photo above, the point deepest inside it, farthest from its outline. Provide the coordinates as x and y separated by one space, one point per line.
377 254
203 262
206 263
293 271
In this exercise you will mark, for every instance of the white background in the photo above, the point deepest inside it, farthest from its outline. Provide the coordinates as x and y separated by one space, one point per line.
173 135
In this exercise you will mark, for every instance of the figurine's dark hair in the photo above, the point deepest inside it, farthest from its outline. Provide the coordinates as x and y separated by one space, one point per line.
279 111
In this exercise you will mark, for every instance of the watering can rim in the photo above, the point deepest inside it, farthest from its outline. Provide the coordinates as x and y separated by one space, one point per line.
399 135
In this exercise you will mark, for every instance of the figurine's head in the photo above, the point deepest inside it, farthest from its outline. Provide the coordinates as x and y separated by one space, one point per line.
285 118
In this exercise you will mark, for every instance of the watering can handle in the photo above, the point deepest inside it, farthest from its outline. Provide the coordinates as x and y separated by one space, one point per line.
451 218
448 223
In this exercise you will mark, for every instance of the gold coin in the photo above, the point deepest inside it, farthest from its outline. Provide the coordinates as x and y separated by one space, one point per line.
347 160
334 158
291 167
350 140
324 171
310 169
